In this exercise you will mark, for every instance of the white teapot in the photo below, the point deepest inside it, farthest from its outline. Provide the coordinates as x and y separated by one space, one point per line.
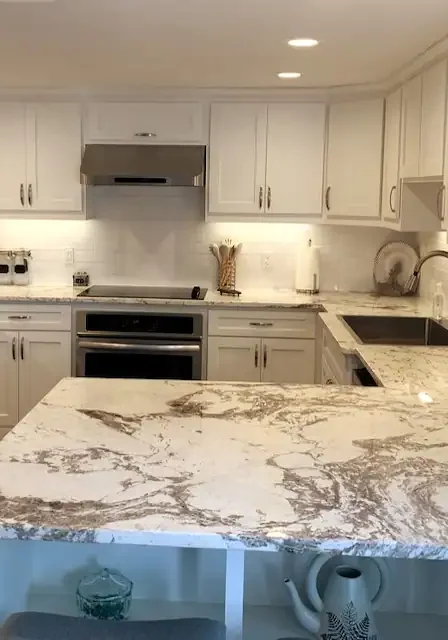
346 588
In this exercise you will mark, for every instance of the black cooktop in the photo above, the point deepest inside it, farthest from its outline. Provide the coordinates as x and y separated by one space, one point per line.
125 291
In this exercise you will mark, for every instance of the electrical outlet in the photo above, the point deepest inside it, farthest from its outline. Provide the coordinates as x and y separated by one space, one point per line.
266 261
69 256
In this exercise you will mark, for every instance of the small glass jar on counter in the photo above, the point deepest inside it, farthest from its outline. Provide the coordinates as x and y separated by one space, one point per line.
105 595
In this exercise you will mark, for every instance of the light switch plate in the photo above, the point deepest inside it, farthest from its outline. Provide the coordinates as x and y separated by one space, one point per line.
69 256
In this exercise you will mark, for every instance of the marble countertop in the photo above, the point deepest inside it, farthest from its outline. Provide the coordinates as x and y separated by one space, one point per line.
334 302
244 466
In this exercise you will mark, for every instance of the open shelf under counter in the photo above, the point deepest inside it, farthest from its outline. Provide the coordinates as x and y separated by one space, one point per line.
260 622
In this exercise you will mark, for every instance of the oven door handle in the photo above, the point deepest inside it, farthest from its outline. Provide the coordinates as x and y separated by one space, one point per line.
140 348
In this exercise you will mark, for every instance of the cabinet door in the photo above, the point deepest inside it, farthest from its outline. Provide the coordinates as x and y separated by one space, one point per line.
9 378
54 157
237 168
286 361
327 376
234 359
432 137
411 112
12 156
146 122
354 161
391 197
45 358
295 159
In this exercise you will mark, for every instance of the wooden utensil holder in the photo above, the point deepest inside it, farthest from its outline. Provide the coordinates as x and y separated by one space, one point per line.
227 274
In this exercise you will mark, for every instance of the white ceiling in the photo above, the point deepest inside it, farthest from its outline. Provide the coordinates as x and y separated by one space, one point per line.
111 44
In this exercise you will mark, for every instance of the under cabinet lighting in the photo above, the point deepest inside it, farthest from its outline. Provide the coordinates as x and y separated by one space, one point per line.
289 75
303 42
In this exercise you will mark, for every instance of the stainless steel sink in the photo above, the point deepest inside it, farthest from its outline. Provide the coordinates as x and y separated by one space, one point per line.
397 330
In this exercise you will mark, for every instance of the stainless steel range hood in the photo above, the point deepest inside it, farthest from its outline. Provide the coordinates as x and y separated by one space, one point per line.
118 164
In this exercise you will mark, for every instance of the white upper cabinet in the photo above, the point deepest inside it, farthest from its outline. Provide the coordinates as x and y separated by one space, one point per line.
12 156
40 157
266 160
146 122
295 159
432 136
237 167
54 157
391 187
423 124
411 112
354 161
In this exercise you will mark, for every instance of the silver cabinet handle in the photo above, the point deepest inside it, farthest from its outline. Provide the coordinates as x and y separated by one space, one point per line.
19 317
260 198
145 134
392 191
14 342
265 357
261 324
138 348
269 197
256 356
327 198
30 195
22 340
440 207
22 194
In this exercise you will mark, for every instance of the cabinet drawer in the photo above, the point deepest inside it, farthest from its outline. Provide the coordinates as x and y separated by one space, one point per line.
261 324
36 317
146 123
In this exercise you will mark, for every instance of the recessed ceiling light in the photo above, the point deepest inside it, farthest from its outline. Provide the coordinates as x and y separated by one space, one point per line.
289 75
303 42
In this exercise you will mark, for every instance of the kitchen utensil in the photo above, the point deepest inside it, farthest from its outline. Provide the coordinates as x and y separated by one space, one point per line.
215 251
105 595
224 251
238 249
393 265
346 606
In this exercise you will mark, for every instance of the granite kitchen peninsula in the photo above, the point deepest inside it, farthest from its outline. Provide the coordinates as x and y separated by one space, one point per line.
237 467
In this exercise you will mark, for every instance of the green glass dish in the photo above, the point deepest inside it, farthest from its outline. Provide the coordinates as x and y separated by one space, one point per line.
106 595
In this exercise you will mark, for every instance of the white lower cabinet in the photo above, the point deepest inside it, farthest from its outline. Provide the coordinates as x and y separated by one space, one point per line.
31 364
45 358
279 360
288 361
9 379
234 359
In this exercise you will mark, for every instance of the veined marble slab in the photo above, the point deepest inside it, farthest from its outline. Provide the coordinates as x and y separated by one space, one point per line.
245 466
358 303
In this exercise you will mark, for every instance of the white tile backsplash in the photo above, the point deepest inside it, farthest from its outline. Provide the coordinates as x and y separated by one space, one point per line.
141 235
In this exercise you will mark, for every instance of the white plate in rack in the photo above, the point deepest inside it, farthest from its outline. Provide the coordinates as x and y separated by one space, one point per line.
390 255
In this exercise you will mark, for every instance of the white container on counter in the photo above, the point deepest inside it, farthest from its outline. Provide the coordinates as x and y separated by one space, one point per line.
308 270
6 268
21 267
